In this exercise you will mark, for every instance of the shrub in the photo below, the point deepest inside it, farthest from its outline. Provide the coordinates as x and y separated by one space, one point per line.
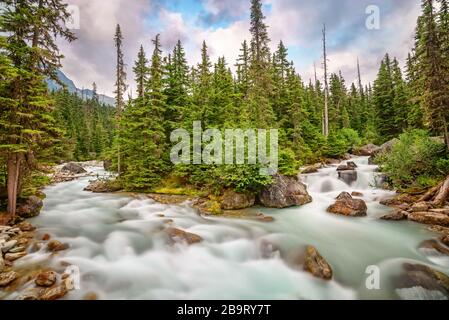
341 142
415 161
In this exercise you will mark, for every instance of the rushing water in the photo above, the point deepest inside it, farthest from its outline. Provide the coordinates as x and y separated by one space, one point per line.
119 245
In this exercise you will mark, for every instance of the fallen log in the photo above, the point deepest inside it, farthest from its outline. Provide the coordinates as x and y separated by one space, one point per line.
430 194
442 194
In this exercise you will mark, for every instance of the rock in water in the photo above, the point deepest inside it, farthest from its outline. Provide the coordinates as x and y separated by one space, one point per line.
177 234
367 150
7 277
284 192
235 201
73 168
54 293
55 245
46 278
30 208
316 264
348 176
396 215
348 206
350 165
421 276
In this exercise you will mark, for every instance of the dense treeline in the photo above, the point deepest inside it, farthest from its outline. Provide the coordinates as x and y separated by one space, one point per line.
87 125
264 92
267 92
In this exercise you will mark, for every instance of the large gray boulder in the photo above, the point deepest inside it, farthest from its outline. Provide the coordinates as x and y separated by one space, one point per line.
367 150
73 168
284 192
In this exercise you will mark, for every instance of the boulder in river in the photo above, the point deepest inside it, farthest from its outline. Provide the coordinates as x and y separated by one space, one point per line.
432 218
348 206
46 278
73 168
30 208
385 148
366 150
232 200
284 192
417 276
316 264
350 165
434 245
103 186
348 176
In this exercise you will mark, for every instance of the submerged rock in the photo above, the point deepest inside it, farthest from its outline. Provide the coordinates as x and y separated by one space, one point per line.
435 245
348 176
284 192
348 206
421 276
316 264
55 245
235 201
178 234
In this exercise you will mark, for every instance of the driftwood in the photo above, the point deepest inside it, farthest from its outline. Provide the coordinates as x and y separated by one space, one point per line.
442 194
430 194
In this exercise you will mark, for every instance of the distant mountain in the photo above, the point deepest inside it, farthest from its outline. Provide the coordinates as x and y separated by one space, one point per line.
71 87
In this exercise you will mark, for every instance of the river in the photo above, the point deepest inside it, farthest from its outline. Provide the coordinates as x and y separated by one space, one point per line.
118 243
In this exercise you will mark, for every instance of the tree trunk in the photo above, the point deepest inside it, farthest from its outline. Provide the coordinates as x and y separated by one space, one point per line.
13 183
442 194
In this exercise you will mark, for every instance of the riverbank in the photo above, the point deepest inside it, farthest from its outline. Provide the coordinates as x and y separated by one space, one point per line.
159 247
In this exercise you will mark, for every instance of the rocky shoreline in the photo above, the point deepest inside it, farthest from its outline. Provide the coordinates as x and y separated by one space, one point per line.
40 283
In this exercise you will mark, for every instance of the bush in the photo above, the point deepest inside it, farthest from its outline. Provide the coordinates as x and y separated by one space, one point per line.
288 165
341 142
415 161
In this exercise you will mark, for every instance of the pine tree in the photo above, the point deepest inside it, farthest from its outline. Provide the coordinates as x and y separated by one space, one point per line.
29 54
141 72
434 77
258 101
120 88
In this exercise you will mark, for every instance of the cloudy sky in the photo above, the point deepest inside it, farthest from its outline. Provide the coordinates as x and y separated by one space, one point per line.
224 25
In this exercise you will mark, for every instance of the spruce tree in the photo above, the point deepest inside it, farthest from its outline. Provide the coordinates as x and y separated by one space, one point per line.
29 54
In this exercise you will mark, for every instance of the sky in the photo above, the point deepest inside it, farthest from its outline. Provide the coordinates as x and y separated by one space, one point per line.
224 25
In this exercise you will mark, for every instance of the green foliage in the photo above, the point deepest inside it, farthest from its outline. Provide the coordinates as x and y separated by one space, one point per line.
341 142
415 161
288 165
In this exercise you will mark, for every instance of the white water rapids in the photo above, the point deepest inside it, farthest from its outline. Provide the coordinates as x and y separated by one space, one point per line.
119 245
